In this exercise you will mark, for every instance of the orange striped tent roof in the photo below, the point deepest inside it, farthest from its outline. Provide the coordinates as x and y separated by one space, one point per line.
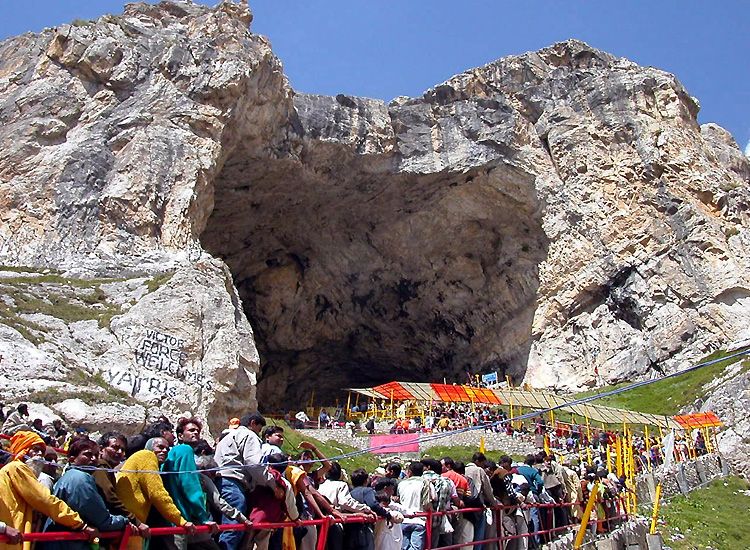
531 399
699 420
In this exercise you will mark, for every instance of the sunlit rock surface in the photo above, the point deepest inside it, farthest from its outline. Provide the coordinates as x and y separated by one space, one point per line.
558 216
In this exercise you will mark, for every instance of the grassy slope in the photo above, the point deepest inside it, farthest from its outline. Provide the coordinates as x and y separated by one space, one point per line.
714 516
330 448
668 396
463 453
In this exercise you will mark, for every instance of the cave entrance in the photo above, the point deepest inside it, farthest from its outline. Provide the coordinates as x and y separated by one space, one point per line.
353 274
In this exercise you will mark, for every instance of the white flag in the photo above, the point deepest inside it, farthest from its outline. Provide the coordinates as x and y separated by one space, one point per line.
668 450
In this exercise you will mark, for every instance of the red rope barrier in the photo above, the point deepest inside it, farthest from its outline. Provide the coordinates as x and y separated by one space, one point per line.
324 523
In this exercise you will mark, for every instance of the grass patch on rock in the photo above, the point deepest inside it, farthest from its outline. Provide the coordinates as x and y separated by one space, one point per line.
93 390
715 516
80 378
52 396
668 396
155 283
67 299
31 331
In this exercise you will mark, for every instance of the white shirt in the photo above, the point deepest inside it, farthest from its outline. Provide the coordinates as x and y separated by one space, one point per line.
390 537
338 494
414 494
266 450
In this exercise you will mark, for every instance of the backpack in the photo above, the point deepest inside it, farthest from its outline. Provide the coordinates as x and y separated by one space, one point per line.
472 495
442 487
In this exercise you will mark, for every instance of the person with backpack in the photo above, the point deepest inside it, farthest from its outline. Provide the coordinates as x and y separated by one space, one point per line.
446 496
501 481
481 494
463 531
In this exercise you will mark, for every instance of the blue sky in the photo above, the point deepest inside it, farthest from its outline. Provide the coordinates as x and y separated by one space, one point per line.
383 48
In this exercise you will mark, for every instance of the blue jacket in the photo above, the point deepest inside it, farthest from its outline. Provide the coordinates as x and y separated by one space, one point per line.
534 477
78 489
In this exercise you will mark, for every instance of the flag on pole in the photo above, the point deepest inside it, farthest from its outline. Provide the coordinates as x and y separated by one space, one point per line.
482 448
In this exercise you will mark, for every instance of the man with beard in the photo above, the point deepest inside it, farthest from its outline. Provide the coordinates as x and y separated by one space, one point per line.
21 494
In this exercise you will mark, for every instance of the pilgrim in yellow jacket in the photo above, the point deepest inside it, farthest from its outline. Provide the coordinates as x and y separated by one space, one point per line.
139 489
21 494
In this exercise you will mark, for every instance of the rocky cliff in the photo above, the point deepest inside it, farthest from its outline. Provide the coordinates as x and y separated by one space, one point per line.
550 216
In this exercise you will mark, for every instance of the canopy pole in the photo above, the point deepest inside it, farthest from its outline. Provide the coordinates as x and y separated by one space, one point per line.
586 515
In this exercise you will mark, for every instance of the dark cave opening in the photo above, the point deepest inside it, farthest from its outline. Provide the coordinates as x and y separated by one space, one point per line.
353 275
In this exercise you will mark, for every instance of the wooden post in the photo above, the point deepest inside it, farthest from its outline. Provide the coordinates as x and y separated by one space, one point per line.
655 513
586 515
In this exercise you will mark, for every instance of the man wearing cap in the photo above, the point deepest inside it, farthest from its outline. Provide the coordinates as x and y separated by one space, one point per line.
238 455
21 494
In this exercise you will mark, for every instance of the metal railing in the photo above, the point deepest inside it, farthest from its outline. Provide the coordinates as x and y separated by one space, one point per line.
324 525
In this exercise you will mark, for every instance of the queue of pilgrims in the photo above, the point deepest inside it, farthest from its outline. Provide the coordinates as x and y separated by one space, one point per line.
170 476
561 437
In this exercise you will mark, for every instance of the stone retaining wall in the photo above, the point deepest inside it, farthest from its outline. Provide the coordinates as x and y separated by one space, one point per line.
681 478
495 442
628 536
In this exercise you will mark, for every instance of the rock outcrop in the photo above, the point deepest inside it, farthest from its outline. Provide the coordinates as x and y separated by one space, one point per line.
112 134
141 346
550 216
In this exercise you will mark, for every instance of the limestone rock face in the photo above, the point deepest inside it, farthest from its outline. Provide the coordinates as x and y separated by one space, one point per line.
558 216
114 130
108 348
550 216
112 133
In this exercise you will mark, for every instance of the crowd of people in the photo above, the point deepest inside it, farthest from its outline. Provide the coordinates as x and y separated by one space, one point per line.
560 437
168 475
